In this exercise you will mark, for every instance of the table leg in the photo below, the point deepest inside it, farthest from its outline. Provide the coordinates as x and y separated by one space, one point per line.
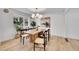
48 34
23 40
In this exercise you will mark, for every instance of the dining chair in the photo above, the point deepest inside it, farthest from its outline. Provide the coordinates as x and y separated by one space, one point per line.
41 41
46 34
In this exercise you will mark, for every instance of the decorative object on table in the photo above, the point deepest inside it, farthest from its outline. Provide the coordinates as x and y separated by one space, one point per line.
18 21
33 24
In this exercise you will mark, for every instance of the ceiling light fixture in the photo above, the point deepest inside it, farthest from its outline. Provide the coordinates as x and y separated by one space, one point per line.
36 12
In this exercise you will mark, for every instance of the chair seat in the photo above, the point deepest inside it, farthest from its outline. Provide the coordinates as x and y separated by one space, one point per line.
39 41
24 35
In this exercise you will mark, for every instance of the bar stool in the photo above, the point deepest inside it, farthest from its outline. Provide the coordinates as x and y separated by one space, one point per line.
23 37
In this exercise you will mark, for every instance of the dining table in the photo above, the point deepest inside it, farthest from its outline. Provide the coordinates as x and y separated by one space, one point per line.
34 33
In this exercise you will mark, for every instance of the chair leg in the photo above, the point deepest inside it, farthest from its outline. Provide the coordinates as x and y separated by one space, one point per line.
20 39
44 47
34 47
23 40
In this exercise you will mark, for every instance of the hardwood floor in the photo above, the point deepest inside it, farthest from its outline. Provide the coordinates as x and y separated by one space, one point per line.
55 44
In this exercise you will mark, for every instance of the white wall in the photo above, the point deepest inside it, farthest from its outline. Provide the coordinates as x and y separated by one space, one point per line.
72 23
57 24
7 28
65 25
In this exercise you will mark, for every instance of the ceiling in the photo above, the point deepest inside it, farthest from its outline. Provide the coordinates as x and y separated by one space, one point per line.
46 11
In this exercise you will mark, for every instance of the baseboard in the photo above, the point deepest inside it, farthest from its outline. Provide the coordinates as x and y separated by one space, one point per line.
62 37
6 41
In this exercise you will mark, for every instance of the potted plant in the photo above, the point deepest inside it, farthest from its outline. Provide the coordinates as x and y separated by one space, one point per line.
33 24
47 24
18 23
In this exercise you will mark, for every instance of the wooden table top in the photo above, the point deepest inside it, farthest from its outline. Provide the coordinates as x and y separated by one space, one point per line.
32 32
35 31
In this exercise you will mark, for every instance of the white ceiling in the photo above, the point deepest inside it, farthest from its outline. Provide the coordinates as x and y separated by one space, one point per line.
46 11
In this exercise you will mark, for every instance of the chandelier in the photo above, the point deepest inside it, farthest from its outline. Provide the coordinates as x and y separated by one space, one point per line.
36 12
37 15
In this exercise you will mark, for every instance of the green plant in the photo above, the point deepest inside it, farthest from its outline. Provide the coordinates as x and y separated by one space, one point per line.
47 24
18 23
33 23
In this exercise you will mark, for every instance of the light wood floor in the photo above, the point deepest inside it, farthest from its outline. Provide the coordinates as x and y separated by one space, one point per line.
55 44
